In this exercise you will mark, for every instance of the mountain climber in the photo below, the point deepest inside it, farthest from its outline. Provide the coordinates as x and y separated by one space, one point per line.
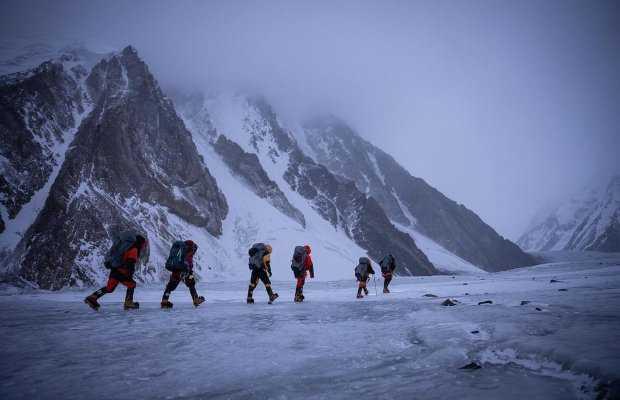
260 265
301 264
126 251
388 265
363 270
181 263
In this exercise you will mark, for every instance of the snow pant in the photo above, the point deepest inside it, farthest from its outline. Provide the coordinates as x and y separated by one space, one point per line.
362 279
262 275
175 278
387 278
118 275
301 280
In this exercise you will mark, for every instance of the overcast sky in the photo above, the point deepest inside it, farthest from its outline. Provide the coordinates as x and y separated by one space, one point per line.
502 105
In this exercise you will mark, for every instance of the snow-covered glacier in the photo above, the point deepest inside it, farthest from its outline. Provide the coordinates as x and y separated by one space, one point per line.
551 332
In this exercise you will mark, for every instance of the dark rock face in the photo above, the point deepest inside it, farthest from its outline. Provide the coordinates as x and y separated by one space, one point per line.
339 201
132 165
36 112
471 366
408 200
248 167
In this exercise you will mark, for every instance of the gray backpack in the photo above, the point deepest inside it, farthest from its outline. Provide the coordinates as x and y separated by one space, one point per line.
299 260
121 243
256 253
362 266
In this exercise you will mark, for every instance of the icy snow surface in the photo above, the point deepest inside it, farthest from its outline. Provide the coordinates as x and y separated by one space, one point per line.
401 345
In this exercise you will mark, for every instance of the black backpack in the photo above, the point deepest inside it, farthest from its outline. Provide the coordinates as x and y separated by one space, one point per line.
176 258
362 266
120 244
256 253
298 261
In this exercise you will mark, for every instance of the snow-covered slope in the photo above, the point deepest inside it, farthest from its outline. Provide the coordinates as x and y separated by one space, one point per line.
251 128
590 220
40 112
409 201
252 219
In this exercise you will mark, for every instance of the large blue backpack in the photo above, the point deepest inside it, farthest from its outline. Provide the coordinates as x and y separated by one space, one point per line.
120 244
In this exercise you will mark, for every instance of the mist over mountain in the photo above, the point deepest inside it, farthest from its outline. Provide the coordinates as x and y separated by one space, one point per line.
505 106
588 220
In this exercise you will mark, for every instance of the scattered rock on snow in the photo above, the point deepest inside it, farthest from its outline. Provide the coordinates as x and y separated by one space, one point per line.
485 302
430 295
465 283
472 365
449 302
524 302
554 281
562 290
475 332
538 309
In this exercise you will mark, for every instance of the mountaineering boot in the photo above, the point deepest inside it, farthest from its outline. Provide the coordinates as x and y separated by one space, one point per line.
359 293
298 296
272 298
166 304
272 295
366 291
386 290
198 300
129 303
92 302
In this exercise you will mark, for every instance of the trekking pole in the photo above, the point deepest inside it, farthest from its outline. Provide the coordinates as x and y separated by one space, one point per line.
375 281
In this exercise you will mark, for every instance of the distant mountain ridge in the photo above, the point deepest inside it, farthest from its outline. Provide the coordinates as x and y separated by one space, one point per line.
410 201
590 220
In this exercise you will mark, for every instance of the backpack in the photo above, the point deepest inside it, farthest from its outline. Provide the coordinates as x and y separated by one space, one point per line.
298 261
256 253
362 267
120 244
176 258
387 263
